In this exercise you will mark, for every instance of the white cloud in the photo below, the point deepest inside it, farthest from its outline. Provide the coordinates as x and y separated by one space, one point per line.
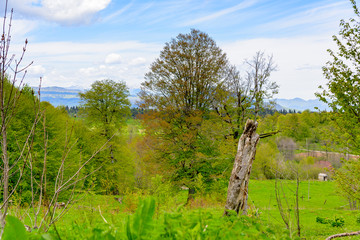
36 70
20 29
62 11
299 61
113 58
138 61
68 64
88 71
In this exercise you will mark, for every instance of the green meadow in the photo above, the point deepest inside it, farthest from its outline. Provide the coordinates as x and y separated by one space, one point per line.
165 215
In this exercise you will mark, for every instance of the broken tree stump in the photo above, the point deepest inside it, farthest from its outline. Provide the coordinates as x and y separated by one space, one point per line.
238 184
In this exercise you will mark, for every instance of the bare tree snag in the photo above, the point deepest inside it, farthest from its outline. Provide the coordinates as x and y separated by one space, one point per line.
238 184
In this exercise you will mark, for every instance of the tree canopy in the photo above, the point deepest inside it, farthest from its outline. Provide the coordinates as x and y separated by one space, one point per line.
106 104
187 74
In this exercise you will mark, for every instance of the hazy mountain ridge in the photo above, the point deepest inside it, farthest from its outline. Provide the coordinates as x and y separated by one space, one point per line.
69 97
300 104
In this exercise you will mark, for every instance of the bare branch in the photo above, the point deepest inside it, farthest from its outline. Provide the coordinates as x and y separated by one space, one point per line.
343 235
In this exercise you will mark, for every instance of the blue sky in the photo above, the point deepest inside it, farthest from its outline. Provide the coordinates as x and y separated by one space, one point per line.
75 42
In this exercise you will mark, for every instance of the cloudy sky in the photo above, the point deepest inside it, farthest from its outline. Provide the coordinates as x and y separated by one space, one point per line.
76 42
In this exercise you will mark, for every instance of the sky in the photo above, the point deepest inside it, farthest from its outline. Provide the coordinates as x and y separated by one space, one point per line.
73 43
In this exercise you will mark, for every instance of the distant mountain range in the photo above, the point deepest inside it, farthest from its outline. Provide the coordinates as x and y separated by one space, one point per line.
59 96
300 104
69 97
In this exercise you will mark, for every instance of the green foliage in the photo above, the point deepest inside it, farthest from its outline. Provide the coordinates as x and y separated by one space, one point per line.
106 105
100 234
183 84
84 221
139 226
337 222
343 87
161 190
14 229
194 225
348 181
199 184
322 220
186 76
265 163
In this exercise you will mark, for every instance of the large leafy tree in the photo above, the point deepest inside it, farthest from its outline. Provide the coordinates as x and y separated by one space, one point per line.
186 76
342 92
106 107
181 88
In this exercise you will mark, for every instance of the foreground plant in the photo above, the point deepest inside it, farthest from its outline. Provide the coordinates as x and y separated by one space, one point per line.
18 158
12 74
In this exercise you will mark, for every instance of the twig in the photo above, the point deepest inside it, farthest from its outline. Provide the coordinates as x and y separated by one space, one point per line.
102 215
269 134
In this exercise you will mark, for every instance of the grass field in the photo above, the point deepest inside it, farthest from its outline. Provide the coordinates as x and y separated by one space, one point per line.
317 199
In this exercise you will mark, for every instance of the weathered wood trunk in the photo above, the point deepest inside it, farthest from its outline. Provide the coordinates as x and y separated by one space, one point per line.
238 184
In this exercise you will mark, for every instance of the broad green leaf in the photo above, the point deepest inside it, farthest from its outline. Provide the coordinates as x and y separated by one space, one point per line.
14 229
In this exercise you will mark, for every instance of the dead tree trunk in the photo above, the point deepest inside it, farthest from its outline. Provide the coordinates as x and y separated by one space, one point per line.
238 184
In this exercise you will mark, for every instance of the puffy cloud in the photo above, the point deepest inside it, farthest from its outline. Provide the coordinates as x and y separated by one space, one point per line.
113 58
64 12
69 64
138 61
88 71
36 70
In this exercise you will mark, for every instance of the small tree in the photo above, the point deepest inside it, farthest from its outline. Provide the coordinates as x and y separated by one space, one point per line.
243 96
258 76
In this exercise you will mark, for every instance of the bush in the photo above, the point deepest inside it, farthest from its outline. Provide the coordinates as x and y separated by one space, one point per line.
337 222
322 220
358 219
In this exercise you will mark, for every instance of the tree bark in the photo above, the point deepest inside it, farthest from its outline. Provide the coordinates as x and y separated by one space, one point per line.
238 184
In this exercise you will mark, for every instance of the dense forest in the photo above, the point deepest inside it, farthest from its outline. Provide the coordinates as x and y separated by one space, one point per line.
104 170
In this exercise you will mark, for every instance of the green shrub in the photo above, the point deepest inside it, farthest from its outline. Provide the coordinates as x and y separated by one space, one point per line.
322 220
337 222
